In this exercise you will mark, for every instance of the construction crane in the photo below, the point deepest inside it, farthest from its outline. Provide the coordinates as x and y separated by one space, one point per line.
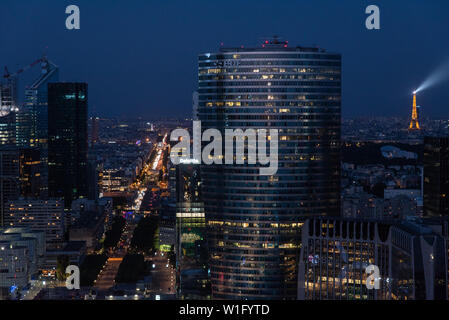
8 75
8 89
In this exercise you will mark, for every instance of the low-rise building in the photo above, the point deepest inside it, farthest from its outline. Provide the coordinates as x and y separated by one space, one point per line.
21 256
75 251
38 215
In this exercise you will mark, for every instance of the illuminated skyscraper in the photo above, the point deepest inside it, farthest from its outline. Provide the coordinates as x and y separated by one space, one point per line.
32 118
94 130
19 174
67 141
8 111
191 247
436 176
9 177
254 222
8 128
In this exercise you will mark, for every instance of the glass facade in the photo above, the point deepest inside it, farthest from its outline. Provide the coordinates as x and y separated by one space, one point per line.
410 257
8 111
436 176
67 141
32 118
191 247
335 255
254 221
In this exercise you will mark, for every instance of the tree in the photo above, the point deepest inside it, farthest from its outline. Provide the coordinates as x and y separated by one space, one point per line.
145 237
378 189
172 256
113 235
132 269
62 262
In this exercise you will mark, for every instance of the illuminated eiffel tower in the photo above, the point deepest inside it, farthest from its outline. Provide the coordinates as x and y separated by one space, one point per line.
414 123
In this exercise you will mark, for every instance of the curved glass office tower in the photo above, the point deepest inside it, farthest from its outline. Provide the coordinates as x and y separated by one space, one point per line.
254 222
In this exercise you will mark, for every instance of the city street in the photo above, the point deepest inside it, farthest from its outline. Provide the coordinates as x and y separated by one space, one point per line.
106 277
163 274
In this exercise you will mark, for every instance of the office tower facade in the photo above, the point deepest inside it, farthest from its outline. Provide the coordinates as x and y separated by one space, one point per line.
20 174
436 176
254 222
94 130
8 111
67 145
445 231
30 173
9 177
8 128
191 245
8 95
410 255
94 176
336 253
32 118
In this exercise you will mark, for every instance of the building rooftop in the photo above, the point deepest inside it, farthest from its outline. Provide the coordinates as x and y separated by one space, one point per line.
74 246
272 44
88 219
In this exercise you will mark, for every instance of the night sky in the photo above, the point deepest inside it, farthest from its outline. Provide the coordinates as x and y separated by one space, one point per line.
140 56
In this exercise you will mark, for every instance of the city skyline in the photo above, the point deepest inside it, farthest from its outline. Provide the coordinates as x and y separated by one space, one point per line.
141 64
168 151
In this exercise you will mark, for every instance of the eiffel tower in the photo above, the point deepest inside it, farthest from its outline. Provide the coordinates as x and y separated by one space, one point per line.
414 123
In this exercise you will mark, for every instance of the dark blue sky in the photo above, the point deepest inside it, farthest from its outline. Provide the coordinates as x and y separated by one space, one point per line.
140 56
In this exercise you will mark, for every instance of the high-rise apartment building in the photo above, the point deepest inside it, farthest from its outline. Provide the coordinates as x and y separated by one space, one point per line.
67 145
436 176
254 221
